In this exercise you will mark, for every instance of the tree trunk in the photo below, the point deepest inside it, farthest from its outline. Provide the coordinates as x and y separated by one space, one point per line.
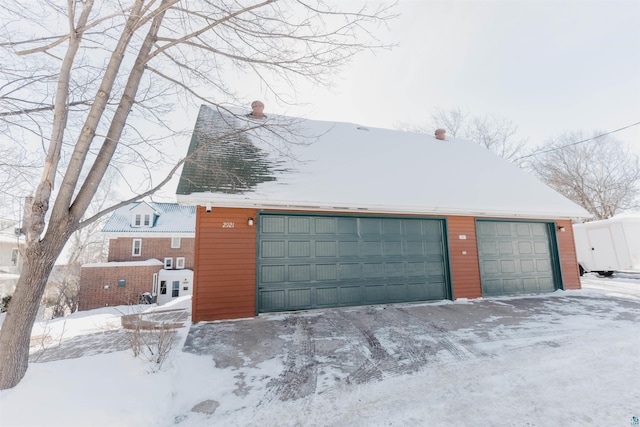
21 314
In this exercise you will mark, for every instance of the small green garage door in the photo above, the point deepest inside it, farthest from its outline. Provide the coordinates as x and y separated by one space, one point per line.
515 257
307 261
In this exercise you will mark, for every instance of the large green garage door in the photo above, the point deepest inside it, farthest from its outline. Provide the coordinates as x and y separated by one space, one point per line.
307 261
515 257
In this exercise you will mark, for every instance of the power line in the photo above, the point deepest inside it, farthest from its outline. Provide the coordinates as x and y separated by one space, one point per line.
579 142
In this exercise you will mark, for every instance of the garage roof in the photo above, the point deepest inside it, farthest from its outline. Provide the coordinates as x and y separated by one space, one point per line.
283 162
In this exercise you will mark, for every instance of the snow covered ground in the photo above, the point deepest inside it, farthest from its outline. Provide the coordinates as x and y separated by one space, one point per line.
571 359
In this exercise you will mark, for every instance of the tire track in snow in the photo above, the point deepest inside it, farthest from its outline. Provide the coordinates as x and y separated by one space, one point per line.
299 377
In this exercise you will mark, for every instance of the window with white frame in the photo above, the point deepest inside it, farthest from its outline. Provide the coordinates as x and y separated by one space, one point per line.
175 291
154 289
180 262
137 220
175 242
147 220
168 263
137 247
14 256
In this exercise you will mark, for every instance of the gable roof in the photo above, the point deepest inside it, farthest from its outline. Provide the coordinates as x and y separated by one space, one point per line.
284 162
172 218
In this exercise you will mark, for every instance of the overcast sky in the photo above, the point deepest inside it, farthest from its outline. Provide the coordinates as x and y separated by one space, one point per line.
549 66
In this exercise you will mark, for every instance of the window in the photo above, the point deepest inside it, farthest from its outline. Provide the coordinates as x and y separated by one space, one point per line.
14 256
122 283
137 247
175 242
155 284
175 292
137 220
163 287
180 262
168 263
147 220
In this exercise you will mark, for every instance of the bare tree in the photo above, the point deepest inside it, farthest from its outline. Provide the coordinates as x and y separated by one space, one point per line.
598 174
496 133
93 69
86 245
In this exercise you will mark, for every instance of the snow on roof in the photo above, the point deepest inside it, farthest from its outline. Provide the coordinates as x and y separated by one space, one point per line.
172 218
177 272
148 262
284 162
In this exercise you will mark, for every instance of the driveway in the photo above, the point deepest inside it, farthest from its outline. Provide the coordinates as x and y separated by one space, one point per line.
323 351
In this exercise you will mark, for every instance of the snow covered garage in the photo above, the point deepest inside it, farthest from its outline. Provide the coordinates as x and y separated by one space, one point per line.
297 214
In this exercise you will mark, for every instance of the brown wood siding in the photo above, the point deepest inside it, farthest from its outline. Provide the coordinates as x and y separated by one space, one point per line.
225 265
465 268
568 257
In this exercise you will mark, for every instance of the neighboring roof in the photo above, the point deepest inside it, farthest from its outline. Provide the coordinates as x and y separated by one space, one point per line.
111 264
172 218
284 162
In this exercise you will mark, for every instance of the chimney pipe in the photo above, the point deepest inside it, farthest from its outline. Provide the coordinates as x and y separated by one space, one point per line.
257 110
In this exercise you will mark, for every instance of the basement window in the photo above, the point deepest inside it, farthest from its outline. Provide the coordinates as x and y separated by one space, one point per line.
122 283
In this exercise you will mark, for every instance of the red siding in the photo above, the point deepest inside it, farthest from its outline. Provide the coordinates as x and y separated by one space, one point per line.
225 265
465 269
568 257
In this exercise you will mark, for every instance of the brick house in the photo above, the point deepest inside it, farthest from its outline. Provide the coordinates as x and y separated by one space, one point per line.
296 214
151 251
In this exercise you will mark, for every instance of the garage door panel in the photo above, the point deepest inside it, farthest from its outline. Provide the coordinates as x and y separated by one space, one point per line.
326 249
299 249
272 273
348 248
541 248
299 225
299 273
326 272
273 249
373 270
307 261
326 225
376 293
370 248
350 295
393 248
271 300
348 226
515 257
300 298
327 296
273 225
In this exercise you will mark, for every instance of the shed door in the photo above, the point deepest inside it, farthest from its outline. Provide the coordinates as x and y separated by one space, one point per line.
307 261
515 257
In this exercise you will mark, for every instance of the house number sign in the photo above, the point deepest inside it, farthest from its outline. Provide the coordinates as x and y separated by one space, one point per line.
228 224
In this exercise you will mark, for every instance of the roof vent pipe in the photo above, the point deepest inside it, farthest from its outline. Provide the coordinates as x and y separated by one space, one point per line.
257 110
440 134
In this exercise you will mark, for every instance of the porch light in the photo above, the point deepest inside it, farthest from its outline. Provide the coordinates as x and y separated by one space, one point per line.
561 228
250 221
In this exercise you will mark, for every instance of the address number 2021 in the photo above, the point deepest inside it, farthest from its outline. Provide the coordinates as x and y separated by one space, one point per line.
228 225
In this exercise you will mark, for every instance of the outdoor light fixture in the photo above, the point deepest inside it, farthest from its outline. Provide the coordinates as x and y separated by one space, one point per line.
561 228
250 222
